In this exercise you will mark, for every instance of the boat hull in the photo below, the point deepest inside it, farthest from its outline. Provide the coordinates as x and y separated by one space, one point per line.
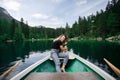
77 64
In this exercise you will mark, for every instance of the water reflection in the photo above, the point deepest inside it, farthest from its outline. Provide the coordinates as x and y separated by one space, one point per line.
13 51
93 51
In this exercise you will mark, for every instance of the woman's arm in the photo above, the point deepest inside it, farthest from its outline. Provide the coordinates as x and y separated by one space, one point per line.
63 48
66 48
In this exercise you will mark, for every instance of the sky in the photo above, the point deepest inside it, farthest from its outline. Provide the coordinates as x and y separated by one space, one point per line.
52 13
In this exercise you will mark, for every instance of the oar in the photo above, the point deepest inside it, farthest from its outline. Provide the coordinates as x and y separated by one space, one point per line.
115 69
9 70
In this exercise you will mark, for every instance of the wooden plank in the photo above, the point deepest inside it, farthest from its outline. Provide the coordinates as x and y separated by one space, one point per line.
62 76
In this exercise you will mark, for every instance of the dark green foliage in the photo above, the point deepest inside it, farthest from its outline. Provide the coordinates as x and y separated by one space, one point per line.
25 28
4 29
103 24
12 28
18 35
67 28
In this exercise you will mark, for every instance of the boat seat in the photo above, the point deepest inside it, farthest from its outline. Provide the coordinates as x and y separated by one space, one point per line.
62 76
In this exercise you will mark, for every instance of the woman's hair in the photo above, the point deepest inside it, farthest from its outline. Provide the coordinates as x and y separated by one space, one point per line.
58 38
66 38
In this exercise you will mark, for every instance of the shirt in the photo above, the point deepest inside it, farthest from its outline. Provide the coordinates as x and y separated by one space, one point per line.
56 44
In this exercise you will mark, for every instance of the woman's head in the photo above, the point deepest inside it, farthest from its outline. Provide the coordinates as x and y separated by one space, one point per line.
66 38
63 38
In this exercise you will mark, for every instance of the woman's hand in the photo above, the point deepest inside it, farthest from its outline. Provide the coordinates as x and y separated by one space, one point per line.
66 49
63 48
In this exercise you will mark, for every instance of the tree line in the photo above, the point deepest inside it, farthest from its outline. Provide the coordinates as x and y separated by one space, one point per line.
13 30
103 24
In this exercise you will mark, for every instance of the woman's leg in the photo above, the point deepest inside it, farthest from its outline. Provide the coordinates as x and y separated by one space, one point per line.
56 61
66 57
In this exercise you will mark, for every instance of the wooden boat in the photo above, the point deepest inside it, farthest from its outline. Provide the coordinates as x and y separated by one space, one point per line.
76 69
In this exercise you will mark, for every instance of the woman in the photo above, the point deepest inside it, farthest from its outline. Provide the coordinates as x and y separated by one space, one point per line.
58 51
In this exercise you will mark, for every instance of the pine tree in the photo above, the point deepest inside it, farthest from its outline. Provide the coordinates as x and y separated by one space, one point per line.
18 35
67 27
12 30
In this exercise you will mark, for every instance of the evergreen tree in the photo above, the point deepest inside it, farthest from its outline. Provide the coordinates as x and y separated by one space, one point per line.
4 29
113 23
26 31
18 36
67 28
12 28
75 30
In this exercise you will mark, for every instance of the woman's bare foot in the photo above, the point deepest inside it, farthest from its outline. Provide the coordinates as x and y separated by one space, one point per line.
63 69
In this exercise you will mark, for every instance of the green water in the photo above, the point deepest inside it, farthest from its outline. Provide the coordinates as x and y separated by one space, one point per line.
94 51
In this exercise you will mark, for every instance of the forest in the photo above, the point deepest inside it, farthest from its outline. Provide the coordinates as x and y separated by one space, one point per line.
103 24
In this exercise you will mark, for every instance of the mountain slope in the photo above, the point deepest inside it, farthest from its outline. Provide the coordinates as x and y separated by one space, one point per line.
4 14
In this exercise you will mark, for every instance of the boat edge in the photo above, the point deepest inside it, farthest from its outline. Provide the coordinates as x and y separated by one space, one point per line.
30 68
99 71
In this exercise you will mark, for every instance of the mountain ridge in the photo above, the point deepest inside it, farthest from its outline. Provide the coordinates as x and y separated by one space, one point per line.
5 14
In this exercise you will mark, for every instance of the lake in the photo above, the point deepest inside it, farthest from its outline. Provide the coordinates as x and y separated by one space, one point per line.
30 52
